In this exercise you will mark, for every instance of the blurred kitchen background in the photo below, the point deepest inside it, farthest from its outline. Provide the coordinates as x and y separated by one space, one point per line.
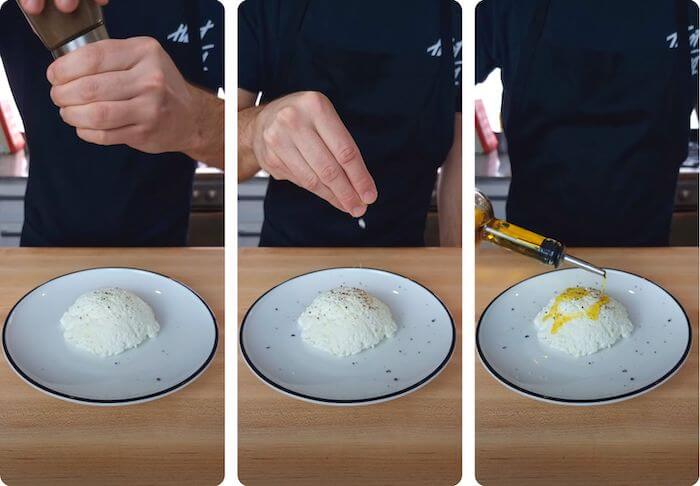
492 168
206 217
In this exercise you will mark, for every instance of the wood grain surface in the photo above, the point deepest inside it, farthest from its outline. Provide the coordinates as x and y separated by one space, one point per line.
414 439
652 439
178 439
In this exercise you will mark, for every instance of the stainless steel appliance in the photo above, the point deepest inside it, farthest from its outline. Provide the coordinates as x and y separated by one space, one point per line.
207 215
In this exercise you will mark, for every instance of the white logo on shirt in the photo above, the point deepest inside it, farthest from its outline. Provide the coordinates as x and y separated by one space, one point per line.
182 36
435 50
693 41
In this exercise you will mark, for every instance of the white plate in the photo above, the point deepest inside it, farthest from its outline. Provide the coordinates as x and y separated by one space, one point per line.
182 350
507 341
420 349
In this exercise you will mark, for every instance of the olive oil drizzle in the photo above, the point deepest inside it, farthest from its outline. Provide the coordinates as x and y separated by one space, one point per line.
572 293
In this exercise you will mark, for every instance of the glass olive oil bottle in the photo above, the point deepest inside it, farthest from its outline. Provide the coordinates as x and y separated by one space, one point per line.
520 240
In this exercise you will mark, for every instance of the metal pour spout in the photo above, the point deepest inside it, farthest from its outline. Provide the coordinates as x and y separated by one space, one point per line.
584 264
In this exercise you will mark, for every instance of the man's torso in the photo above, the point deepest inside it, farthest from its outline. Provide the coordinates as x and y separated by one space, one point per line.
81 194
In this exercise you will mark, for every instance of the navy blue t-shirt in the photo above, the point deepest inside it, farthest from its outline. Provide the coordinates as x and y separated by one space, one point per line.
393 26
621 25
80 194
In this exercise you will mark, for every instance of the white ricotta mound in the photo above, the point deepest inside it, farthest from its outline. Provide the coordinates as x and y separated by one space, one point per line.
108 321
346 320
581 321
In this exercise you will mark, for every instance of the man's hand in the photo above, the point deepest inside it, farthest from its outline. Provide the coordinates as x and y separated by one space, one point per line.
301 138
130 92
35 7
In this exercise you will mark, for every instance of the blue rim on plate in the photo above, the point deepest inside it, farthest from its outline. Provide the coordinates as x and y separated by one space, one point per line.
569 401
365 401
123 401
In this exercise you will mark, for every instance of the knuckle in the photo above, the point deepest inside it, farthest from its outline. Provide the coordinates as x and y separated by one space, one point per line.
347 154
272 165
271 136
55 95
102 137
93 57
156 81
150 44
315 101
288 116
347 197
100 114
89 91
329 173
310 182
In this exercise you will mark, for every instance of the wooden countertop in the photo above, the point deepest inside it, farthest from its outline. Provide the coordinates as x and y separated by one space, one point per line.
652 439
178 439
414 439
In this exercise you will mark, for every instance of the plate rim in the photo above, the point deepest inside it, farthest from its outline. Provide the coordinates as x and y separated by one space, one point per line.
347 402
585 401
111 402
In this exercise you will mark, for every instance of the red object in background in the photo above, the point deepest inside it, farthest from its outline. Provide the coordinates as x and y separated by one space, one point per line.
11 138
487 138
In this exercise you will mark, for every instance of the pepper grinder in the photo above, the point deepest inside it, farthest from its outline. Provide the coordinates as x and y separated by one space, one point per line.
62 32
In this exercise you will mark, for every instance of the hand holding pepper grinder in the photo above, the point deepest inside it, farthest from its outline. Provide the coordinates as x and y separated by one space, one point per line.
63 32
520 240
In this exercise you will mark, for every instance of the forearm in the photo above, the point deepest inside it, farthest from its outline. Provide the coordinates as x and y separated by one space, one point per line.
208 145
248 164
450 193
450 204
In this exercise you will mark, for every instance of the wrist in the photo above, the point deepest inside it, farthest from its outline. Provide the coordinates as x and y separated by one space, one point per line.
248 122
205 137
